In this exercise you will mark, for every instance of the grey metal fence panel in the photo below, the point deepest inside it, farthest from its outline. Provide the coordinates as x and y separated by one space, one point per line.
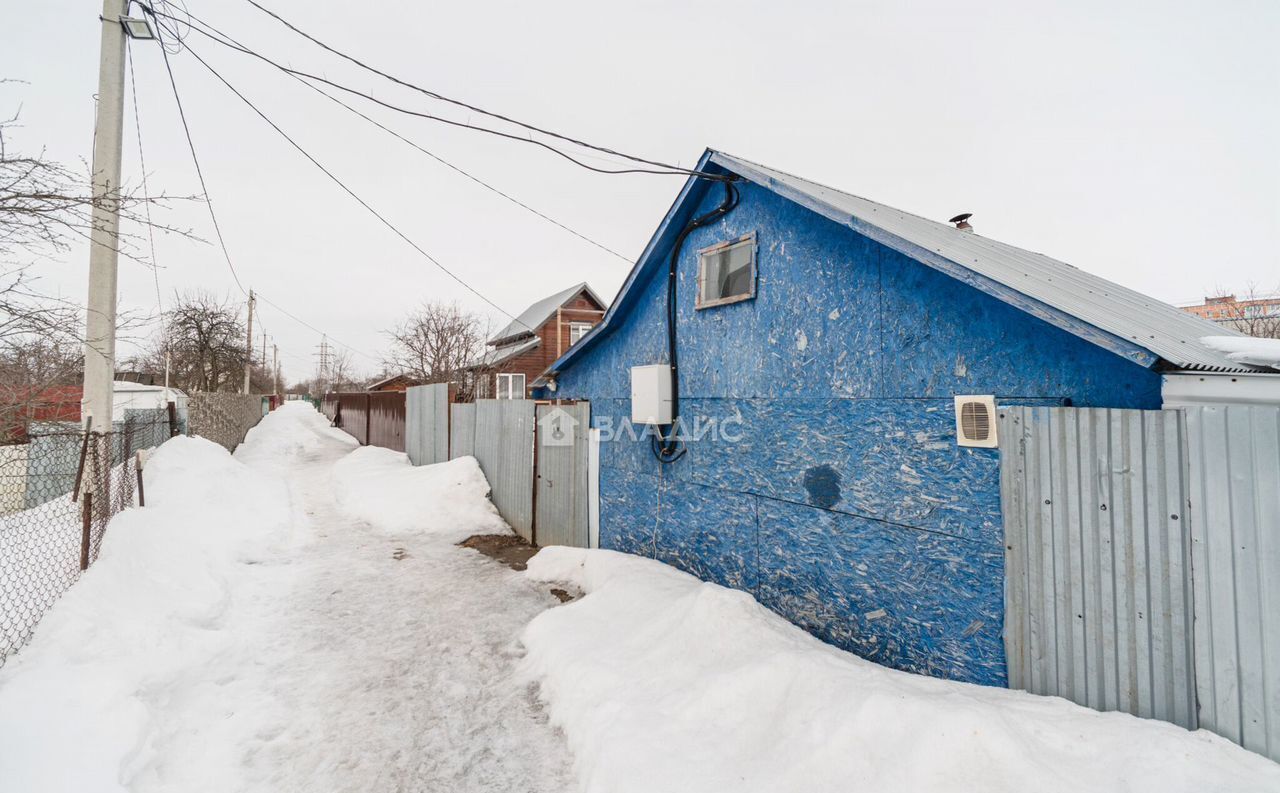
1235 523
561 503
1098 595
504 447
427 423
462 430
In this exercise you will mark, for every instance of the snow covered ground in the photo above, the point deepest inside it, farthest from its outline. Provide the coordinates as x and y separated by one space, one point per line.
241 633
298 618
665 683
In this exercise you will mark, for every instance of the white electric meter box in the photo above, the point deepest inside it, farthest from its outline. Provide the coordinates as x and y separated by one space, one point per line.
651 394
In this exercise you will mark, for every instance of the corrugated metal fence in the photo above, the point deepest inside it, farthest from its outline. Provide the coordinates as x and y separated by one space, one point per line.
501 439
1143 562
1098 599
374 419
1235 532
524 469
386 419
427 423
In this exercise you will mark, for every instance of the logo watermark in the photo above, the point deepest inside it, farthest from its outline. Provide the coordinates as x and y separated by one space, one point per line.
685 430
557 428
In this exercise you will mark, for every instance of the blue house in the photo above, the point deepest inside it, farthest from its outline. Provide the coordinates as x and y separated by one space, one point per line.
821 342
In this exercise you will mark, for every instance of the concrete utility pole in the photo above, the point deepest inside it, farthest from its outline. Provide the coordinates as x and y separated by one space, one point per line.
275 367
104 241
248 346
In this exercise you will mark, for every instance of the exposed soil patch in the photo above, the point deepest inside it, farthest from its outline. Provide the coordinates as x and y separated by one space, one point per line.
509 549
512 551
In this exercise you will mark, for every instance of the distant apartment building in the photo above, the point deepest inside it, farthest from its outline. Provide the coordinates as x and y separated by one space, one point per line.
1255 315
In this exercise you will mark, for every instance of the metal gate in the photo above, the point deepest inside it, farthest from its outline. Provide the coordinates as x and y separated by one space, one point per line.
561 500
1098 599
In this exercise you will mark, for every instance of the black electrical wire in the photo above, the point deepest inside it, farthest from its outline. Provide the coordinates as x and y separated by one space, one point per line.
395 229
441 119
667 447
208 200
306 324
236 45
182 114
146 195
672 169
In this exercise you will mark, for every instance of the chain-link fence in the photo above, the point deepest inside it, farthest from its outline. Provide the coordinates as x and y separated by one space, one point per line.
57 494
223 418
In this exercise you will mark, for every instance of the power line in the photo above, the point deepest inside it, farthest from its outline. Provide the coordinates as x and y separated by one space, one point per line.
209 203
674 169
347 189
441 119
232 43
146 196
208 200
304 323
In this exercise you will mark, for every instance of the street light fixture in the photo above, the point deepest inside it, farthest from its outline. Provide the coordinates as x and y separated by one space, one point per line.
138 29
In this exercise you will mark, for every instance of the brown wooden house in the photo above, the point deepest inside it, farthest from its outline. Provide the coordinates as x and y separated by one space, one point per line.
534 340
395 382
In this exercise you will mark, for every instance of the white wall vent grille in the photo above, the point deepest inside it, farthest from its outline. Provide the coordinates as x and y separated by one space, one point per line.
976 421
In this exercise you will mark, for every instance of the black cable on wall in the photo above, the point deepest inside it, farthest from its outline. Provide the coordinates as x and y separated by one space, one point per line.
668 447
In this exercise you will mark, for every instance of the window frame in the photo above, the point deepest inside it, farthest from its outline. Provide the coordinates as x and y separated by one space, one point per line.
745 239
584 326
509 391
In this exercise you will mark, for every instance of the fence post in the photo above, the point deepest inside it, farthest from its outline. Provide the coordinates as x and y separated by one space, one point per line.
173 418
537 474
451 396
86 519
138 467
84 449
368 417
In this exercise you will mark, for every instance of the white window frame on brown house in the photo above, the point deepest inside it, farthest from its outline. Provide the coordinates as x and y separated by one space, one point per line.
509 392
581 329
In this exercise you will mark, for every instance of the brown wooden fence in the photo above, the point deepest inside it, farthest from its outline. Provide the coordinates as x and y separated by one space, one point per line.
373 419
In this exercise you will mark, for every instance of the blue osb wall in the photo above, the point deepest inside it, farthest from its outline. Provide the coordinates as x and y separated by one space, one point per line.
847 506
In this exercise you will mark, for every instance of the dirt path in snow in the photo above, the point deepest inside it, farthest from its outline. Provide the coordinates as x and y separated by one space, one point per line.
366 664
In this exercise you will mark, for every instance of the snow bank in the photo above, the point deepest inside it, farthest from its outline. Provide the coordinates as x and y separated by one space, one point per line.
394 496
1246 349
295 430
78 706
665 683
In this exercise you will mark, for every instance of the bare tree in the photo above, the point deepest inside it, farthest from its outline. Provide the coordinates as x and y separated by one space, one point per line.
437 343
40 349
1255 314
205 339
45 207
342 373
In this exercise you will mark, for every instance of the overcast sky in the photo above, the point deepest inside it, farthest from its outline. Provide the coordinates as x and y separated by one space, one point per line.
1136 140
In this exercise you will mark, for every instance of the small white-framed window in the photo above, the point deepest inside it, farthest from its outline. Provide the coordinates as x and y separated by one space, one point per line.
510 386
577 330
727 272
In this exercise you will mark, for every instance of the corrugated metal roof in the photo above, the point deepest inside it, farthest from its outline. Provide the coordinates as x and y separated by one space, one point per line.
500 354
540 312
1130 316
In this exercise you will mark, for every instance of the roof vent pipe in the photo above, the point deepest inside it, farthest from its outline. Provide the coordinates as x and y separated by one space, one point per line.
962 221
